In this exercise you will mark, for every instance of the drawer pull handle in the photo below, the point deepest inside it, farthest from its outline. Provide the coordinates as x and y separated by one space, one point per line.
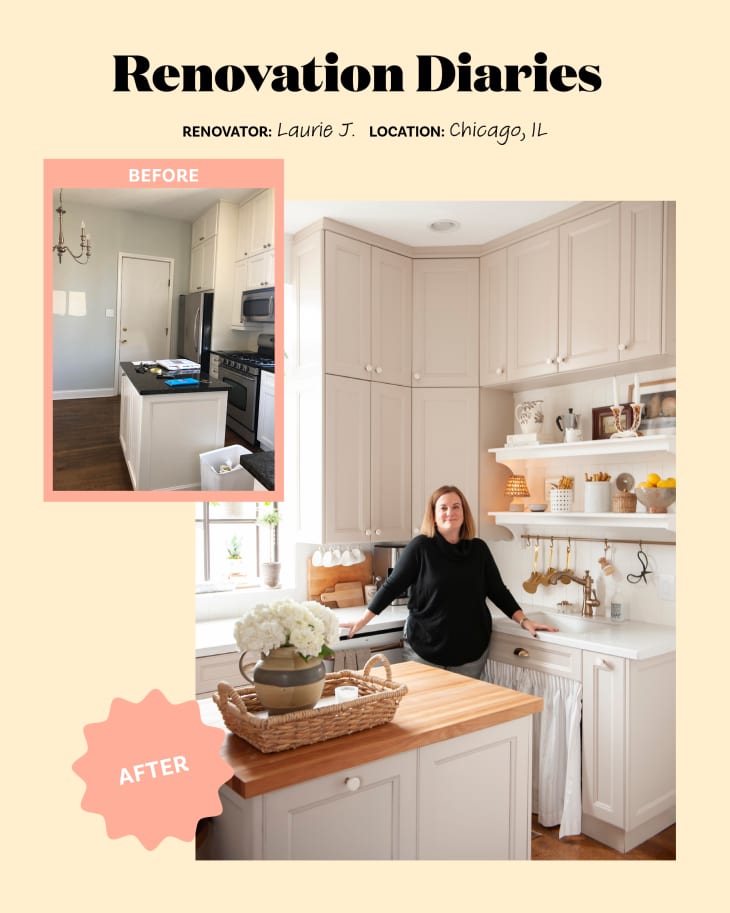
353 783
520 651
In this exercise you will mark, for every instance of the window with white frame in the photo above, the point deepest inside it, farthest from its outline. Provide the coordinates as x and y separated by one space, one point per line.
231 541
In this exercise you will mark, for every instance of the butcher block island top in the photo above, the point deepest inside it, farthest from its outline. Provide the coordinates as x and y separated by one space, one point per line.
439 705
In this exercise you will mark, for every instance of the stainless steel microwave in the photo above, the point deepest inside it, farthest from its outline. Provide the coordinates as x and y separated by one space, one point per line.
257 306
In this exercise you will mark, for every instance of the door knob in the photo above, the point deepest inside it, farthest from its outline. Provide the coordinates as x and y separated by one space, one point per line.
353 783
416 377
520 651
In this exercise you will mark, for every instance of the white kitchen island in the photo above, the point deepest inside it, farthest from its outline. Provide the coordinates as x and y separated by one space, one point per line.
448 778
164 429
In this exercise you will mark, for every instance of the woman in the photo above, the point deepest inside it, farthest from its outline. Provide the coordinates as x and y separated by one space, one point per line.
450 574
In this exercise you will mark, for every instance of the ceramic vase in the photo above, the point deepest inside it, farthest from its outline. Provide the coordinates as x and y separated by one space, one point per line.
285 682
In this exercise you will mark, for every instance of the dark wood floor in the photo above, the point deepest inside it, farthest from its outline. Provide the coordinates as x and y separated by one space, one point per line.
546 845
87 455
86 451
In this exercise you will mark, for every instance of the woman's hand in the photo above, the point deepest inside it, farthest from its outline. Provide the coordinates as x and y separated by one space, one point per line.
355 626
532 627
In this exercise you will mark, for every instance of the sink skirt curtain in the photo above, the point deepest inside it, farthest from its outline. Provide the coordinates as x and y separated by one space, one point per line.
556 761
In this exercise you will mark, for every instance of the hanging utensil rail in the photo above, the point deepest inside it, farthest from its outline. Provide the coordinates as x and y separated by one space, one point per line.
604 539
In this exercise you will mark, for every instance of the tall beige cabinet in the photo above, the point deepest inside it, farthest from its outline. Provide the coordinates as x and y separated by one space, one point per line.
360 317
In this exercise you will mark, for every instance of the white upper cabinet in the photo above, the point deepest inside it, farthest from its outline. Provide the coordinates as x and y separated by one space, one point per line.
532 298
368 293
392 310
446 323
347 285
205 226
202 265
493 318
646 309
255 225
589 291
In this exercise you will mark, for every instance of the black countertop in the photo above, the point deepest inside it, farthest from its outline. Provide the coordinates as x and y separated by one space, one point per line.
261 467
148 384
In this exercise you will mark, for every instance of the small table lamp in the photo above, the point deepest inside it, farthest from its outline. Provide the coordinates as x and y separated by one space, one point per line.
517 488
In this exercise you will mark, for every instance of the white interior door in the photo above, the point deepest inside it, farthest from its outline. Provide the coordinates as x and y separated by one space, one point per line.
145 304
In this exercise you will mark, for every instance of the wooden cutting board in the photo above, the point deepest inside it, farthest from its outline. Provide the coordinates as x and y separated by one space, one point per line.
344 595
323 579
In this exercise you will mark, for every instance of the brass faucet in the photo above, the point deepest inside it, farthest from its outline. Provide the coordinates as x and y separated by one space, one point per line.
590 602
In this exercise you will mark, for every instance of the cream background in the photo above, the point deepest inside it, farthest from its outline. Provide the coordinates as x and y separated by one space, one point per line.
99 605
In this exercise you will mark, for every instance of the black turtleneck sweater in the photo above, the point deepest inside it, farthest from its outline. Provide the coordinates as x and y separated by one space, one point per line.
449 623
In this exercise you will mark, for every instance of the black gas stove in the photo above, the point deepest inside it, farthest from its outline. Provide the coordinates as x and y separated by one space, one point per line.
262 358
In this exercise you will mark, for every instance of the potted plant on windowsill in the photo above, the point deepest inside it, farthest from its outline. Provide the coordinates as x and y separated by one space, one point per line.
235 559
271 569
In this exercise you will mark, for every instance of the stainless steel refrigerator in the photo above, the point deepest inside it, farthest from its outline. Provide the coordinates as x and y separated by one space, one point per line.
194 329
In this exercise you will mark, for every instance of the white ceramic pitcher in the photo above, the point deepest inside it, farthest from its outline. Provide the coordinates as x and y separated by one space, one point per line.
530 415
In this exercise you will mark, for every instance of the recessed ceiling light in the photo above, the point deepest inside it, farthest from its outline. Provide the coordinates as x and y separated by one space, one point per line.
444 225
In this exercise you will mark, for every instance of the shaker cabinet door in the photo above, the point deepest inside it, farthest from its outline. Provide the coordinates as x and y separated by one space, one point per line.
364 812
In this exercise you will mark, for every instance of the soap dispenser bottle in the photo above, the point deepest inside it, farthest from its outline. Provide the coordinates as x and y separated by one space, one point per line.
617 604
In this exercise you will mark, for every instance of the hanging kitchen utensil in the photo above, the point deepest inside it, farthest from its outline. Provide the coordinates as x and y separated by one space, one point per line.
530 585
644 572
545 578
606 566
567 565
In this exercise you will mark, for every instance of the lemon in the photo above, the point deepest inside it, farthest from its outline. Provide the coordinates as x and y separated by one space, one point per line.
667 483
652 480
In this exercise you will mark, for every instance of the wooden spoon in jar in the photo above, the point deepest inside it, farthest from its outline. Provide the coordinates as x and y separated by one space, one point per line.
532 581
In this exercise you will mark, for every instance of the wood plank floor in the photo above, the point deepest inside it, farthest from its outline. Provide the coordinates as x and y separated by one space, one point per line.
87 455
547 846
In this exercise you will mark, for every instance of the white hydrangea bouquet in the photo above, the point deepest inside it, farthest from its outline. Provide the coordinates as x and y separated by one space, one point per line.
312 629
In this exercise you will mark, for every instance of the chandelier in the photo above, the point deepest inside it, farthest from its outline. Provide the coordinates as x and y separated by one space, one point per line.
60 247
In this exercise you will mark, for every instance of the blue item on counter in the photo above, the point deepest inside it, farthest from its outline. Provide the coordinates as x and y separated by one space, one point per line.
180 381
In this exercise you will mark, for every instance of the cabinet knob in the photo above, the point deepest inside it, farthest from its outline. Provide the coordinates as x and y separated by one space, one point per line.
378 370
549 361
368 368
500 371
368 532
520 651
378 532
353 783
622 347
416 377
561 359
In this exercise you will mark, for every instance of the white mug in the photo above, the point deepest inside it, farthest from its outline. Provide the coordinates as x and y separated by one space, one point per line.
345 693
572 435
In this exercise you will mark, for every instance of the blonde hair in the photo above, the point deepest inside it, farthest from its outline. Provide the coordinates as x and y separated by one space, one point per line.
428 524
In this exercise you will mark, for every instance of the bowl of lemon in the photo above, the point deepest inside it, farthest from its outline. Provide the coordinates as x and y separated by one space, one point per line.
656 494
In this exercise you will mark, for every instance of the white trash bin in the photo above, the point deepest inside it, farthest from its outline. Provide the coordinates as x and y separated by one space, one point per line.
221 470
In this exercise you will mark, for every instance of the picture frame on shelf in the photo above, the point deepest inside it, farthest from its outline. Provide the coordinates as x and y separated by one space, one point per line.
659 398
603 424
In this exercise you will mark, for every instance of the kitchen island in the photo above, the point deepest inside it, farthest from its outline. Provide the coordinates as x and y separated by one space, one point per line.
164 428
448 778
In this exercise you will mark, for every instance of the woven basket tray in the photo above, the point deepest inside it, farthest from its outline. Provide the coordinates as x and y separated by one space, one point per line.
375 704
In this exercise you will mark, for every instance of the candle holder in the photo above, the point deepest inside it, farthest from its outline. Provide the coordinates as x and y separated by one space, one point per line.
616 411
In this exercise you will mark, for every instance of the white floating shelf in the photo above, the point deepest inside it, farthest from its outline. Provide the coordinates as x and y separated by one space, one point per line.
604 521
636 446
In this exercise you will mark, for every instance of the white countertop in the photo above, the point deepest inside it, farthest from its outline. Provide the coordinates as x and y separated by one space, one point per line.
214 637
630 639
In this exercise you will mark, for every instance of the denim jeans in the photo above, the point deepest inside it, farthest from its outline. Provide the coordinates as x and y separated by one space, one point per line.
473 669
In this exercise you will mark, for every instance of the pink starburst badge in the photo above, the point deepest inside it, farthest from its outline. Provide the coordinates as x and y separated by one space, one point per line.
152 769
